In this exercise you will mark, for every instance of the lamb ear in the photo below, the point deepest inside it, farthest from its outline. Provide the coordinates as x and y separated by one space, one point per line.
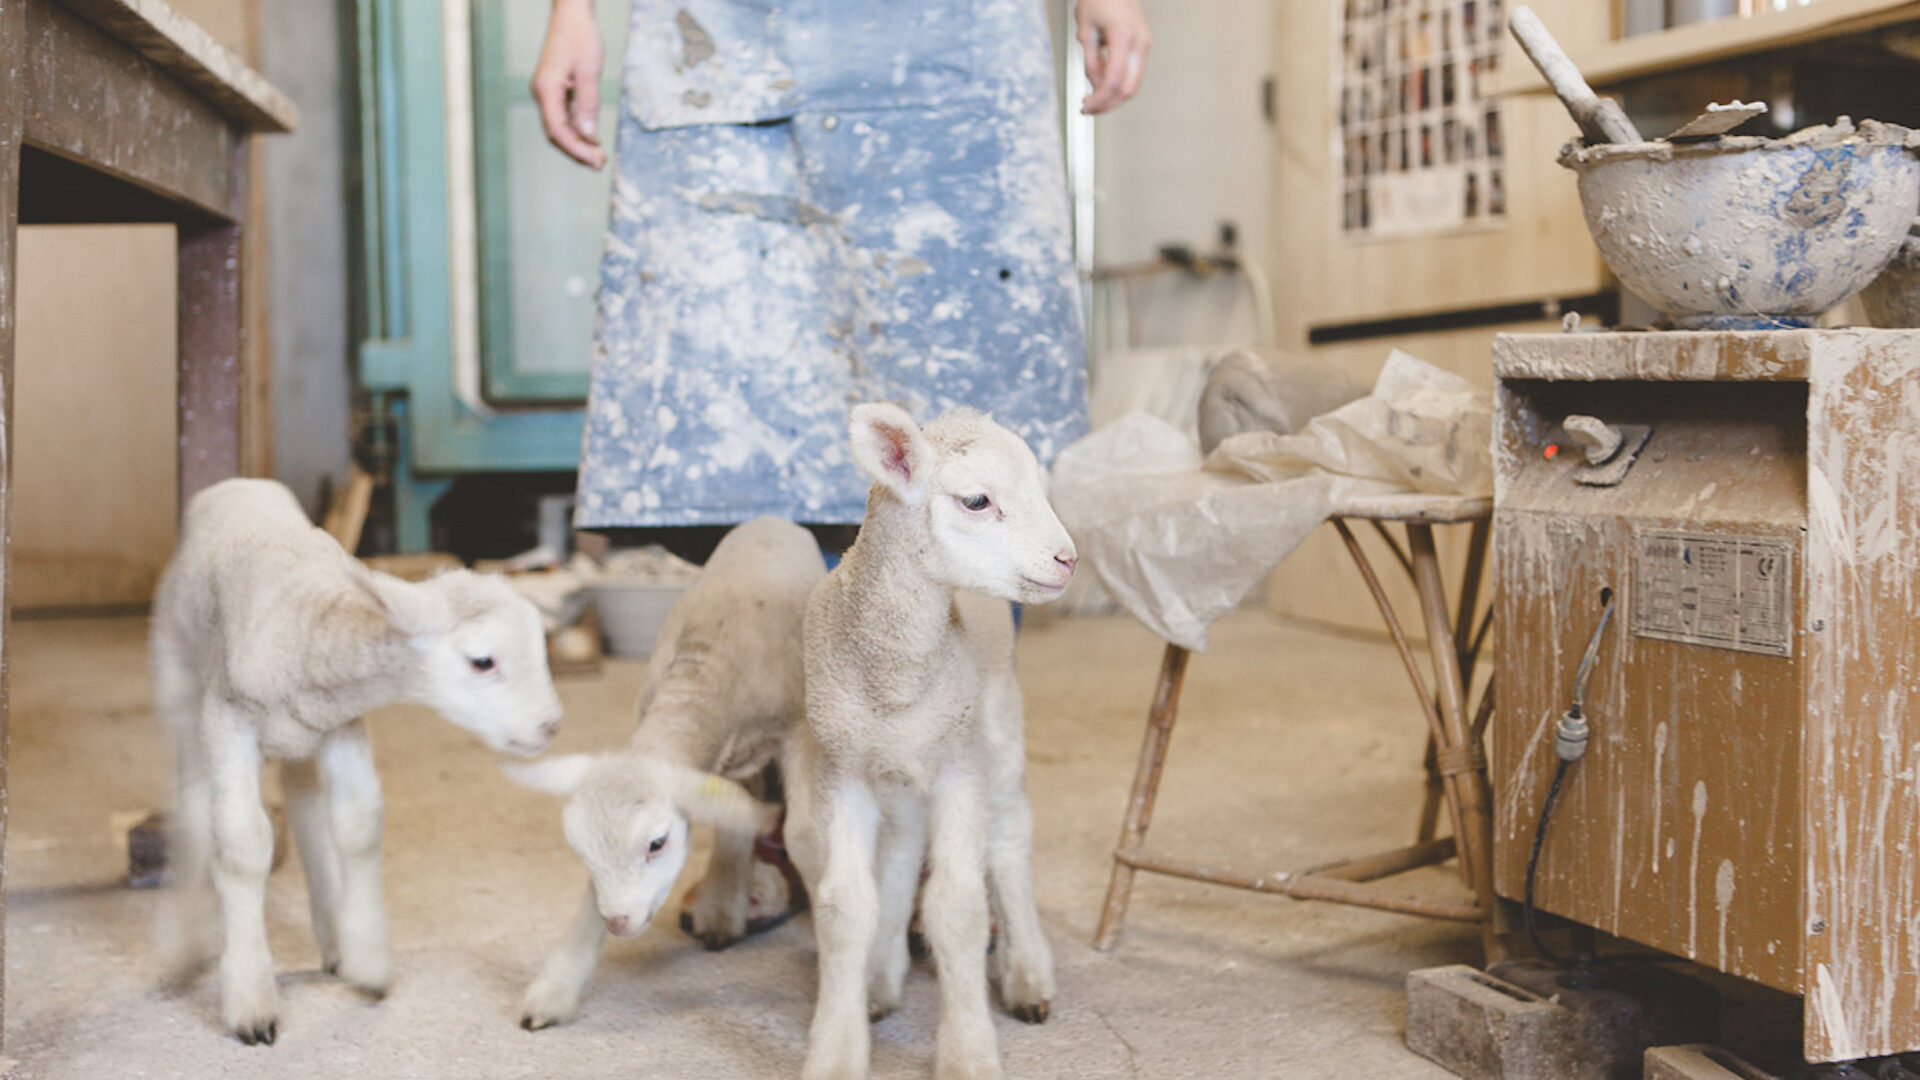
888 446
719 802
559 775
410 609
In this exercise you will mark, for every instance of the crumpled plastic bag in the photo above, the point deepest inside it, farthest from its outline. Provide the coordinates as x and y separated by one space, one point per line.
1247 391
1180 541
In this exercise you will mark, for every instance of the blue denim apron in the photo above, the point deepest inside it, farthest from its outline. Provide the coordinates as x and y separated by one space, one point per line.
818 203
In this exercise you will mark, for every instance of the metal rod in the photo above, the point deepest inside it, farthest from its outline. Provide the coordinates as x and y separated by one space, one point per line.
1393 624
1146 783
1307 886
1387 863
1399 553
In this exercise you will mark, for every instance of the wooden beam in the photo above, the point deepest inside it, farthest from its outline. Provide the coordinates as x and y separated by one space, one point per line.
190 55
12 109
1616 61
157 134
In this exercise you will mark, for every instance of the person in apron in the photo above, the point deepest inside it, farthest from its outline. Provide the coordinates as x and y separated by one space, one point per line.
818 203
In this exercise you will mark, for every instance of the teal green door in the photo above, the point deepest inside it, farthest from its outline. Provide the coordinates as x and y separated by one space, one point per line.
542 215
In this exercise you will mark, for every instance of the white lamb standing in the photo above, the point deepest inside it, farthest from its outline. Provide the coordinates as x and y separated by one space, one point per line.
914 750
723 689
270 642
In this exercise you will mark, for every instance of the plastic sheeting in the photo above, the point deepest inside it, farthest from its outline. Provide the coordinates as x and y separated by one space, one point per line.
1180 541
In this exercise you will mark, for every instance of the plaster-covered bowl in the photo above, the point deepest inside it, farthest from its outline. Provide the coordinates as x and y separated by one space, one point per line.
1747 232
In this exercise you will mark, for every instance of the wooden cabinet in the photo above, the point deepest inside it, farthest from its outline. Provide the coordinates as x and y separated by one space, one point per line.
1747 797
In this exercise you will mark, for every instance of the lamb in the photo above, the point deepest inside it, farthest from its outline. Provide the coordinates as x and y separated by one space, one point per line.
913 749
270 642
723 688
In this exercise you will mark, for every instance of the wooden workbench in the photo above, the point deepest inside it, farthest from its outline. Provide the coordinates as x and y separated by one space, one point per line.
123 111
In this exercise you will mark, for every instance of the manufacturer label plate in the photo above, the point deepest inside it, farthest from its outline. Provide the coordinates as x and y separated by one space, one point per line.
1728 592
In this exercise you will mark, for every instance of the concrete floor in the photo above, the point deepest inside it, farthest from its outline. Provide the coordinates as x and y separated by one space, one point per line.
1294 747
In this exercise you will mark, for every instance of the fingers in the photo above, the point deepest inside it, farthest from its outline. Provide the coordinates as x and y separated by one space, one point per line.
551 94
1116 64
586 107
1118 50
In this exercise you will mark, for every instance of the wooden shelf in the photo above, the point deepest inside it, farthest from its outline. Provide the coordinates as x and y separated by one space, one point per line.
1699 43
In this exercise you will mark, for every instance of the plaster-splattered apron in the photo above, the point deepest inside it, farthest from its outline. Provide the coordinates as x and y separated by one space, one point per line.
817 203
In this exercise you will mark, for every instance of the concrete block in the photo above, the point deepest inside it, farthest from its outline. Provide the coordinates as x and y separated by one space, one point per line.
1484 1028
1530 1020
1699 1062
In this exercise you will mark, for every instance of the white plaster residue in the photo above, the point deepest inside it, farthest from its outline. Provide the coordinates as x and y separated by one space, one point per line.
1824 515
1619 848
1830 1016
1517 784
1697 499
1723 899
1693 871
920 222
1659 786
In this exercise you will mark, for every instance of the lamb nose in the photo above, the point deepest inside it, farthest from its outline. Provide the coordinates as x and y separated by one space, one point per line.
550 729
1066 559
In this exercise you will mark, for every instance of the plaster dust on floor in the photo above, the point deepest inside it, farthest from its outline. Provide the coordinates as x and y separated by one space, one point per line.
1294 747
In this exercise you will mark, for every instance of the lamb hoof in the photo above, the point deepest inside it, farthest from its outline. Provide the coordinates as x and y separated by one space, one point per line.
918 948
257 1034
877 1013
711 940
547 1003
371 975
1032 1013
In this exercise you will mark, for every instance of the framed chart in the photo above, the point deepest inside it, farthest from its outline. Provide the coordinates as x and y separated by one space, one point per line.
1419 149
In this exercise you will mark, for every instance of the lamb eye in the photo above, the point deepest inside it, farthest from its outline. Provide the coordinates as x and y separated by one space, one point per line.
655 847
976 503
481 663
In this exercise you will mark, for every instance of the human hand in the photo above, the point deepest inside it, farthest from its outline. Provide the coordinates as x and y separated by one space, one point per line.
566 82
1113 34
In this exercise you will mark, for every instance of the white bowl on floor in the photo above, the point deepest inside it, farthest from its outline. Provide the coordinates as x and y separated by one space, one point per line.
631 614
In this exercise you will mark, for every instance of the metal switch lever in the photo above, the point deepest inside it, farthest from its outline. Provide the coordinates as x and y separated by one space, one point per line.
1601 439
1610 448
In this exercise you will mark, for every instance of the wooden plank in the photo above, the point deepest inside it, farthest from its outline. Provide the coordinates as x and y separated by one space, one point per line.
1768 355
1862 844
12 118
1605 62
95 102
190 55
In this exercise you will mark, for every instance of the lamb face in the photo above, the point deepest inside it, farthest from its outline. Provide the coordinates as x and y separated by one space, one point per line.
984 497
487 670
634 852
627 817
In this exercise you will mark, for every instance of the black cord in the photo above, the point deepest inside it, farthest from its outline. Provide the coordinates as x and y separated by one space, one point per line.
1533 867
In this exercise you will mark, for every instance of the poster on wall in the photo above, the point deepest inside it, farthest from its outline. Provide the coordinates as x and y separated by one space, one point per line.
1419 149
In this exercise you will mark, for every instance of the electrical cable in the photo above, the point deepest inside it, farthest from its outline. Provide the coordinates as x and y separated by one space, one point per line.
1570 745
1533 866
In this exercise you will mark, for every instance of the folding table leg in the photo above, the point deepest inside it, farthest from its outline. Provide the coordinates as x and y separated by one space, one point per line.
1146 783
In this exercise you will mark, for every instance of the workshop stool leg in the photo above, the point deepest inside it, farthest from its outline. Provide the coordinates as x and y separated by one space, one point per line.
1435 795
1146 783
1462 764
